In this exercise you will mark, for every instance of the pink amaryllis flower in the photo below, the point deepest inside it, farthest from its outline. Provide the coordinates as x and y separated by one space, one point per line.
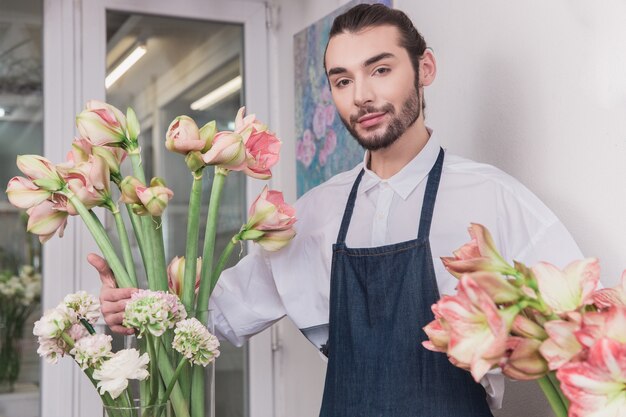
154 198
480 254
44 220
568 289
90 181
227 151
523 360
40 171
438 332
176 272
610 323
83 149
270 221
596 387
562 344
184 136
608 297
262 146
102 124
23 193
478 328
270 212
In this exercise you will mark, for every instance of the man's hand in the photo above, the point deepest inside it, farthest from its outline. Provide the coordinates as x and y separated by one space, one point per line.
112 299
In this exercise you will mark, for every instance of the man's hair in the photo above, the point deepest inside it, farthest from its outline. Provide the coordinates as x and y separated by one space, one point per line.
364 16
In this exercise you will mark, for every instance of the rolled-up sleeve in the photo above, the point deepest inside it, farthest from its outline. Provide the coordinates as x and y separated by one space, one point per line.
245 300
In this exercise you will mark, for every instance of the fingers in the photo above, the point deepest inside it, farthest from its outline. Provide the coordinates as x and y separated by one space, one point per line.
108 294
106 275
114 321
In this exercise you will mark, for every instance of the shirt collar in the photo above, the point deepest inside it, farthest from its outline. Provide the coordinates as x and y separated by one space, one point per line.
404 182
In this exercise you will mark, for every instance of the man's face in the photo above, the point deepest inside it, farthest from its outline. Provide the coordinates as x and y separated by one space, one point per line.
372 82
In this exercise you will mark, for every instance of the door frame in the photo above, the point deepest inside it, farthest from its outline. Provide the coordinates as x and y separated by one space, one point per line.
74 72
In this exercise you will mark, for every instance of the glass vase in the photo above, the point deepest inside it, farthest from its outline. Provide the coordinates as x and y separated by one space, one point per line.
138 410
9 355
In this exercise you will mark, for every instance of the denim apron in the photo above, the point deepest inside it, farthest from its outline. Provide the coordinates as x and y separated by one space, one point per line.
380 299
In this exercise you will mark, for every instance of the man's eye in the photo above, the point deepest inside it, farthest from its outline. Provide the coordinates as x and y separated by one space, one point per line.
342 83
381 70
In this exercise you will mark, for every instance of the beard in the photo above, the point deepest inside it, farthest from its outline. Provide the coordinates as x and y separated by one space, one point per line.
396 127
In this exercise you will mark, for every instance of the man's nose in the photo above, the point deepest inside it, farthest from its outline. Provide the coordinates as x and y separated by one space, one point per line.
363 94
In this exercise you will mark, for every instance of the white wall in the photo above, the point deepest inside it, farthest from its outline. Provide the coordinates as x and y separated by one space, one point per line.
535 88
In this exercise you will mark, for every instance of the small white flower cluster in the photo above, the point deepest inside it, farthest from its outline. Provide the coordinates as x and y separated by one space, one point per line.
153 312
195 342
24 288
60 331
65 318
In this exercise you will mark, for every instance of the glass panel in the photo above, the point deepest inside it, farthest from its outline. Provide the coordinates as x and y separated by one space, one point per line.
21 132
184 60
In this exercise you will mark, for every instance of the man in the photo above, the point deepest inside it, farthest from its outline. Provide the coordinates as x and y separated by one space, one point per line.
363 270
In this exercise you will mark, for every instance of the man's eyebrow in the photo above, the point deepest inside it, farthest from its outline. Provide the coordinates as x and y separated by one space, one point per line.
336 70
367 63
377 58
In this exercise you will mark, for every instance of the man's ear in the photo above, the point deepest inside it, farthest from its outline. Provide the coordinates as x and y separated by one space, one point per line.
428 68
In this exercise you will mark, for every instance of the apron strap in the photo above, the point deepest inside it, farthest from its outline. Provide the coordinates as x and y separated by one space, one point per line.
347 214
430 195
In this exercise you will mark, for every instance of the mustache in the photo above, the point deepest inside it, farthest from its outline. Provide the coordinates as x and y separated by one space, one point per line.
387 108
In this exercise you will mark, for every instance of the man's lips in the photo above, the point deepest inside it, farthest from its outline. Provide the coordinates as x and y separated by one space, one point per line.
371 119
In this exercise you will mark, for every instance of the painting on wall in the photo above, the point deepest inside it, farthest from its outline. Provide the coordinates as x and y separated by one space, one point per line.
324 146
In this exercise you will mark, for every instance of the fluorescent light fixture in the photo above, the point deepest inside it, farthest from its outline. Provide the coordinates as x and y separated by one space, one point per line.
3 112
217 95
130 60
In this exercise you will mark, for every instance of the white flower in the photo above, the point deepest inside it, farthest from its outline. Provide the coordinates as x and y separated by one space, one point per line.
153 311
77 331
85 305
195 342
52 324
91 351
51 349
115 372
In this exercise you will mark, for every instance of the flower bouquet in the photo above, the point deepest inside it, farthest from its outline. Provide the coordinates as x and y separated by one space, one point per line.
170 341
19 297
540 323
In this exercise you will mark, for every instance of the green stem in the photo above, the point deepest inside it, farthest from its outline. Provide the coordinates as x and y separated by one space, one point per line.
99 235
158 253
557 386
174 379
154 373
178 401
560 410
221 263
146 227
125 243
198 391
139 235
209 241
191 249
135 160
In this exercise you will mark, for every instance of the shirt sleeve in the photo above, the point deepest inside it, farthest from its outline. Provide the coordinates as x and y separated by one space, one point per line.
245 300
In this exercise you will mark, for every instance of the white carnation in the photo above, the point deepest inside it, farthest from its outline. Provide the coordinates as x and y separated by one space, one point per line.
195 342
92 351
53 323
85 305
115 372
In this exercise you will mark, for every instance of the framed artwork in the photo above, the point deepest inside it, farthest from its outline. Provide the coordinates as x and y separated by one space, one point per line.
324 146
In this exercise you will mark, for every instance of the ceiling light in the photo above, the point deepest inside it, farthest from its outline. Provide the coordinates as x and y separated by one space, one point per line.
130 60
220 93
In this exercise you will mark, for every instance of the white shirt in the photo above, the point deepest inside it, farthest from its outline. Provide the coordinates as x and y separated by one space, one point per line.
263 287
